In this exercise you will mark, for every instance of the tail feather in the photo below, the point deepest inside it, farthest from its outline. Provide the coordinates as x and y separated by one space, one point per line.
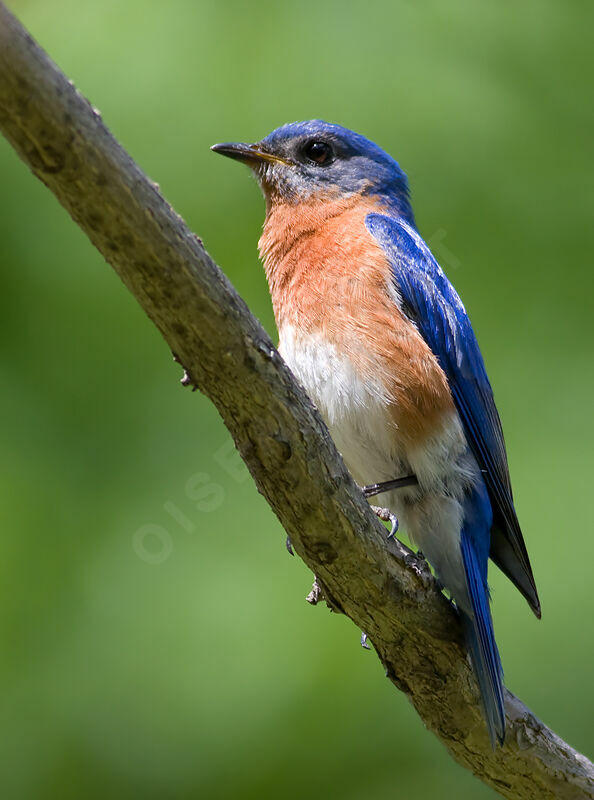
481 642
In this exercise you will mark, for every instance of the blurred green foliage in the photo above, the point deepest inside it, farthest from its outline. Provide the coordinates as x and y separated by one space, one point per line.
155 638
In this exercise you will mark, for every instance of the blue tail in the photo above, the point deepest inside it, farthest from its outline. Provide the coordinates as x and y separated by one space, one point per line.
477 618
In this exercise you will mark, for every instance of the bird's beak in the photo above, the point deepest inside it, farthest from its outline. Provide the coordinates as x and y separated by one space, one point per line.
250 154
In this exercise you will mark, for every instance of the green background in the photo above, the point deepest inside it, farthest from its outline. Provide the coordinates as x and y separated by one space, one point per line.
155 641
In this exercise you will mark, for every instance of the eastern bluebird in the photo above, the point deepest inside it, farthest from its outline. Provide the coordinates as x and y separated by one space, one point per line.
379 338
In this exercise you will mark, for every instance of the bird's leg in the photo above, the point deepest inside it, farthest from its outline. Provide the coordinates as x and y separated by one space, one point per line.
289 546
386 516
388 486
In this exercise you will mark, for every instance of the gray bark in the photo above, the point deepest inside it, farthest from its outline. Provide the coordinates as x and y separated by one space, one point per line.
386 590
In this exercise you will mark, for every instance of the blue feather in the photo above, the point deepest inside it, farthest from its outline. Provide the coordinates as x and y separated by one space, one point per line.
490 526
433 305
360 165
476 616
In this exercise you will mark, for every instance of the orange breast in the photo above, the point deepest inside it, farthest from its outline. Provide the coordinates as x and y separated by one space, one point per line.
329 276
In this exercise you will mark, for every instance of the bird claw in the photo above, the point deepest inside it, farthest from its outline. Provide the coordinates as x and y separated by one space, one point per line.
316 593
289 546
386 516
187 379
364 644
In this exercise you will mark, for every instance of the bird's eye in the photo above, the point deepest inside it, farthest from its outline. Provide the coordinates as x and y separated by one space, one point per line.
319 152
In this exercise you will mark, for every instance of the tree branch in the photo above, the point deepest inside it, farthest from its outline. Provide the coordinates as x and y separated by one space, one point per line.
386 590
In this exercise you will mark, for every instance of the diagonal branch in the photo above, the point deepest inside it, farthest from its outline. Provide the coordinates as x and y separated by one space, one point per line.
381 586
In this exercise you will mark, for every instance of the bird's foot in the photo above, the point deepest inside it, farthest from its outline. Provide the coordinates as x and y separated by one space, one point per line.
316 593
187 379
364 644
386 516
289 546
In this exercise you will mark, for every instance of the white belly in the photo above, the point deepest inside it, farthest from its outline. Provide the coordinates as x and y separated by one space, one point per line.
357 414
355 411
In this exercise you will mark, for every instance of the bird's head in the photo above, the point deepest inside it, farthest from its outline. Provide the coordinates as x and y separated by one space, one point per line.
305 161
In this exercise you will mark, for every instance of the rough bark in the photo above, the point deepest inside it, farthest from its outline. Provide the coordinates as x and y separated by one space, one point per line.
380 585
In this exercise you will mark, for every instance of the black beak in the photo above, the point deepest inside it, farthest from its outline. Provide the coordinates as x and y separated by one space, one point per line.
250 154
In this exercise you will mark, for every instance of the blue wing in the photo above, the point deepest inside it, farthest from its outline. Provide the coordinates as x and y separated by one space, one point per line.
432 303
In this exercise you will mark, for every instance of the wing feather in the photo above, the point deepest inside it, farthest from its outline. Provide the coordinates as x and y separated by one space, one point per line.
433 305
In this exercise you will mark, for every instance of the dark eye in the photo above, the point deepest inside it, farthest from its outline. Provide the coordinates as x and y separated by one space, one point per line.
319 152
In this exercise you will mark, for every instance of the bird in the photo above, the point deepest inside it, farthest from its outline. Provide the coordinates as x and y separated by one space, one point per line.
377 335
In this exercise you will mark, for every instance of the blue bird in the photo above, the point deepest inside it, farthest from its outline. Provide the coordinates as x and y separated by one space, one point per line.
377 335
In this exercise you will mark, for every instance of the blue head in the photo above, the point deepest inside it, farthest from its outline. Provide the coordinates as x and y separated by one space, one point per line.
303 159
